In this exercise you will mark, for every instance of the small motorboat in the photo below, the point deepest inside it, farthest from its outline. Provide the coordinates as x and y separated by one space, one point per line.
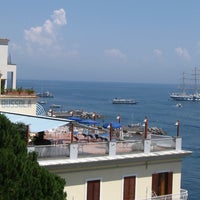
55 106
42 102
178 105
46 94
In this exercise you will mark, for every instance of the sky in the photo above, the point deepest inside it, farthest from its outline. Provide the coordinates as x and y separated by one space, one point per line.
139 41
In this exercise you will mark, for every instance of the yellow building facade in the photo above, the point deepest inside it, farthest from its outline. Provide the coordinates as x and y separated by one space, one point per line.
133 176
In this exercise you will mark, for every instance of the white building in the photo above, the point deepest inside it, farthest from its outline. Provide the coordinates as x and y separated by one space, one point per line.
13 101
6 67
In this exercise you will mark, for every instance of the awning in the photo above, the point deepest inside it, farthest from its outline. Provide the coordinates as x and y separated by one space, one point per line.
115 125
36 123
88 121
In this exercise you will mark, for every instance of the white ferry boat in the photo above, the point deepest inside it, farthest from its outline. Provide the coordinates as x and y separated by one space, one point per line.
123 101
183 96
46 94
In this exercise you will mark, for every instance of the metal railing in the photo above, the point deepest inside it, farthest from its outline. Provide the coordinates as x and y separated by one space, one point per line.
161 144
106 148
182 196
93 148
45 151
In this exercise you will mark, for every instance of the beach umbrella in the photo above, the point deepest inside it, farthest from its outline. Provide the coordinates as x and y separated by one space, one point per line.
77 119
115 125
112 126
88 122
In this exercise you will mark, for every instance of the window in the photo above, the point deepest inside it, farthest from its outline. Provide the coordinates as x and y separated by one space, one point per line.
129 188
162 183
93 190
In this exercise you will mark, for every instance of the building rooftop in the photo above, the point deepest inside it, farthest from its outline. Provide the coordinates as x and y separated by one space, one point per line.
136 156
88 150
4 41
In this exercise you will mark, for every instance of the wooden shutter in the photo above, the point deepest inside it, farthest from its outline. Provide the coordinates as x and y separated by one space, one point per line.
155 188
162 183
93 190
169 184
129 188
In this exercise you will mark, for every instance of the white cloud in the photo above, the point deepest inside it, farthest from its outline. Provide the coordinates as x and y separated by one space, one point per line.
183 53
114 53
59 17
157 52
45 35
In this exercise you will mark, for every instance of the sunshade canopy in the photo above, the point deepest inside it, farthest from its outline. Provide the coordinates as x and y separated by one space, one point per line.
77 119
88 121
36 123
114 125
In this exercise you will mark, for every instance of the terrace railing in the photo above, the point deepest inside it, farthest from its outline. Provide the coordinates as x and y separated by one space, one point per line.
80 149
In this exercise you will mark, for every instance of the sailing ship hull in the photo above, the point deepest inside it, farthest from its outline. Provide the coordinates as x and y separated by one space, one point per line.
180 97
183 96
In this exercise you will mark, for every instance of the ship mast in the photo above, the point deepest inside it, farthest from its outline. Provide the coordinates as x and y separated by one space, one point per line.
196 79
183 83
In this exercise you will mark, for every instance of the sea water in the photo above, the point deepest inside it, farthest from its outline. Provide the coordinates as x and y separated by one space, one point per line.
153 102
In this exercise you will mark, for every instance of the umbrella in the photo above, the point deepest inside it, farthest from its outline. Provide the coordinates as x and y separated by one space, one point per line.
112 126
88 122
115 125
78 119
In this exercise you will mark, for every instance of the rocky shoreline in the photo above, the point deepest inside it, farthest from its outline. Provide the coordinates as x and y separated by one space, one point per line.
140 130
132 128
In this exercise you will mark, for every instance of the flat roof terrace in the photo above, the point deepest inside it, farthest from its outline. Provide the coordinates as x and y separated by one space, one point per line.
87 149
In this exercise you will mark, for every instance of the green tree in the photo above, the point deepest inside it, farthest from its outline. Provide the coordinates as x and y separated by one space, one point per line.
21 177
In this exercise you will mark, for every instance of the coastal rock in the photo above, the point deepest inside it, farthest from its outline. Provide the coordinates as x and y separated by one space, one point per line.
140 130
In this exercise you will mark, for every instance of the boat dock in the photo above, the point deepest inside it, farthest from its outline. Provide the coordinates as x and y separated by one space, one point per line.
74 113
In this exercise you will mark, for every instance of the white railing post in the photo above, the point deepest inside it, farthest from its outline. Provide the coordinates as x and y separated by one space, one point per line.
73 151
112 148
147 146
178 143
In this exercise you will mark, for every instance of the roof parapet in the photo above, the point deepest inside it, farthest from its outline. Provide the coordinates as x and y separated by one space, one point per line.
4 41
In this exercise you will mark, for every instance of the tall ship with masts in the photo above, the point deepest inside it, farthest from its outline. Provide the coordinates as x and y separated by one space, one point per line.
183 95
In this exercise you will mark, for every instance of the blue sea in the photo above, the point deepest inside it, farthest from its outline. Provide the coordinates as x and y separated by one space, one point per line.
153 102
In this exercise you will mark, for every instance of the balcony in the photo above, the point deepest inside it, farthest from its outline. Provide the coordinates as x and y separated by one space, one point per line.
182 196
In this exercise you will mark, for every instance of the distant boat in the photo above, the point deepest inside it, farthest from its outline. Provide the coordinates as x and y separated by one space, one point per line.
179 105
134 125
123 101
46 94
55 106
183 95
42 102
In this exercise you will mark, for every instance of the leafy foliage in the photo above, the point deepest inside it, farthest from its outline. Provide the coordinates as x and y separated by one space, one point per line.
21 177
